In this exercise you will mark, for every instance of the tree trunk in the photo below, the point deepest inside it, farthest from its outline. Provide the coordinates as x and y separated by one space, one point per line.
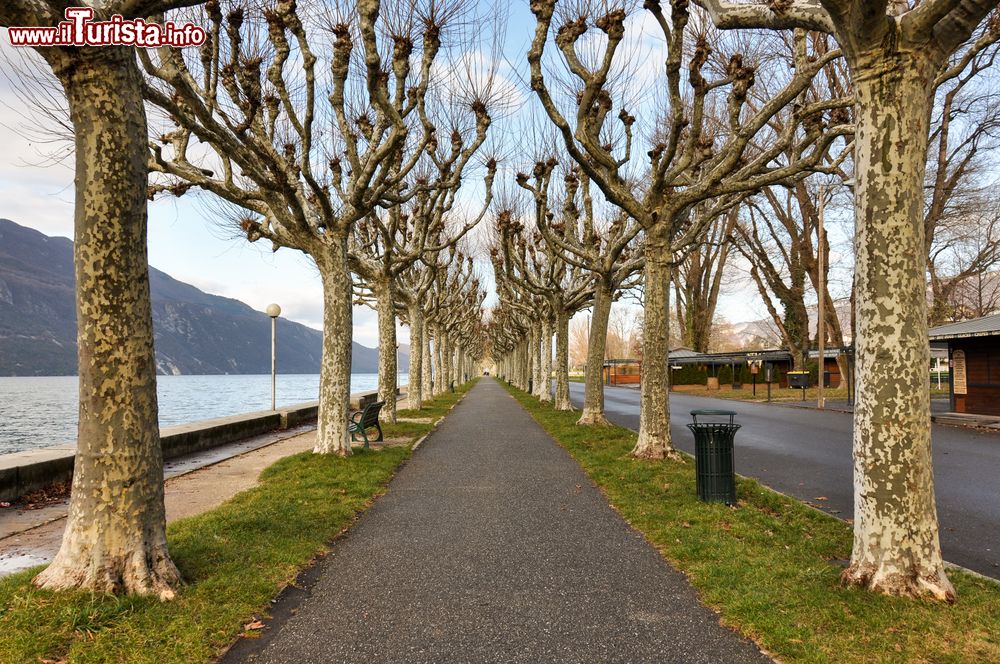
545 393
797 327
115 538
446 358
593 396
388 369
425 358
415 386
896 548
332 436
535 359
562 361
654 415
439 379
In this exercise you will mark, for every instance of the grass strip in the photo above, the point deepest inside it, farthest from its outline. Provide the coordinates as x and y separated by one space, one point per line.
234 560
770 564
779 394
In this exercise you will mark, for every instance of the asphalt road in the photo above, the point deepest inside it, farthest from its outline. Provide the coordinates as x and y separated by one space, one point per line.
492 545
807 454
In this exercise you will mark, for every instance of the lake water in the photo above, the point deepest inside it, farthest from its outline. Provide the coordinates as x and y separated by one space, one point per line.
36 412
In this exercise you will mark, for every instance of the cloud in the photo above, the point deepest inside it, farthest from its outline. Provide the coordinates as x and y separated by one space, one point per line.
34 191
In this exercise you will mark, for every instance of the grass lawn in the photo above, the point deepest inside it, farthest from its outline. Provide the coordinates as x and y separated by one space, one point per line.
769 565
747 393
234 560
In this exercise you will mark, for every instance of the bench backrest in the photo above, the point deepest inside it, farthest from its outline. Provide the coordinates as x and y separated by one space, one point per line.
369 417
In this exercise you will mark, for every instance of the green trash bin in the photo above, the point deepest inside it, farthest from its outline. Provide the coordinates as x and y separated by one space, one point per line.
713 456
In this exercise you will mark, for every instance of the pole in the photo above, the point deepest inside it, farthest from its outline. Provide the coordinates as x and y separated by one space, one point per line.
821 290
273 364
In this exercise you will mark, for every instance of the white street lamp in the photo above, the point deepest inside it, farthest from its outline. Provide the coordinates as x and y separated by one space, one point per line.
273 310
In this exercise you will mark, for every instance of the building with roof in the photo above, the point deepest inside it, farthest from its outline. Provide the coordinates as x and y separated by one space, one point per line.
622 372
974 356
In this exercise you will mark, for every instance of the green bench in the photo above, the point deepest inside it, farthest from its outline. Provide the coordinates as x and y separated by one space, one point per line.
361 421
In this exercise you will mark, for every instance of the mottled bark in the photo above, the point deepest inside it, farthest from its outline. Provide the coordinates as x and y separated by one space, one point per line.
896 548
115 538
440 383
562 362
545 393
335 367
654 415
425 360
415 386
385 298
535 341
593 397
446 361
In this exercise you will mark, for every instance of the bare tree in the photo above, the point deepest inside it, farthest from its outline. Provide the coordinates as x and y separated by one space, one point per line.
713 139
524 258
446 311
779 239
965 258
979 295
965 126
610 249
115 537
306 168
698 280
579 340
385 244
896 52
415 284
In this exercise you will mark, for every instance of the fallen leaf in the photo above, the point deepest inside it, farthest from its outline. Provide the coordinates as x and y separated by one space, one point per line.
686 524
254 624
821 498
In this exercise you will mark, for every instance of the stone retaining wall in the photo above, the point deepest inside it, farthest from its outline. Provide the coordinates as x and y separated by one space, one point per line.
22 472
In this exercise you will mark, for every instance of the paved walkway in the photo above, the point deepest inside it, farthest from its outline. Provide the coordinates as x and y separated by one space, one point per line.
493 546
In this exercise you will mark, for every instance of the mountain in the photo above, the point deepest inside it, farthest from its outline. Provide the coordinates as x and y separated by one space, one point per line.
764 333
195 332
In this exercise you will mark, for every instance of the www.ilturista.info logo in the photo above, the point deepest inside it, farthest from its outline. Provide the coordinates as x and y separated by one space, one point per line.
80 30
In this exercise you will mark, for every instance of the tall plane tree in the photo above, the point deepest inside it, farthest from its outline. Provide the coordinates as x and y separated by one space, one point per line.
385 244
713 139
523 257
115 537
309 147
895 52
608 248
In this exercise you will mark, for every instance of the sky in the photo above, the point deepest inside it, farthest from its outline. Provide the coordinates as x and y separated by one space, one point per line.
188 241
